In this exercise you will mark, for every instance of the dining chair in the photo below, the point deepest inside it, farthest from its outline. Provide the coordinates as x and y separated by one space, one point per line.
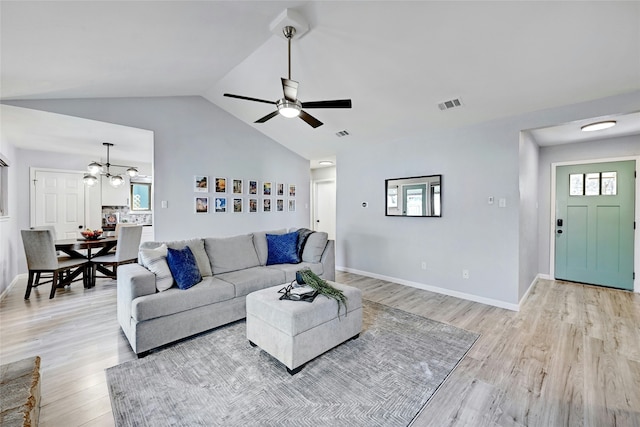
126 252
40 250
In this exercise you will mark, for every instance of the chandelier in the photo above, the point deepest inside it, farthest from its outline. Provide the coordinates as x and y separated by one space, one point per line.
95 169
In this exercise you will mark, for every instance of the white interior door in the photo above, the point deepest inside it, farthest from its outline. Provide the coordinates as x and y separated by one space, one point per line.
325 208
59 201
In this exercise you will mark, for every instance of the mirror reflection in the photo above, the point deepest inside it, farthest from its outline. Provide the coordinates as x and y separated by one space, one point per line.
414 196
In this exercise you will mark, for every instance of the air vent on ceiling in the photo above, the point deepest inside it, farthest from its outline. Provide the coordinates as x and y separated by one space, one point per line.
342 133
446 105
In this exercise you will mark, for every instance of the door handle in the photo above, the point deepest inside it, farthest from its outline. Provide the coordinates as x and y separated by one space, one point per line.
80 227
559 231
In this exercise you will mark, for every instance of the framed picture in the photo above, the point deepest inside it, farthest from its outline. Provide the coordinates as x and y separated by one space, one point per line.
221 204
292 205
237 186
221 185
202 205
279 189
201 184
266 205
292 190
279 205
253 186
237 205
253 205
266 188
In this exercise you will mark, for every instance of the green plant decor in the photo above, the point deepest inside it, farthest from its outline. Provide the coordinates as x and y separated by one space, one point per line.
324 288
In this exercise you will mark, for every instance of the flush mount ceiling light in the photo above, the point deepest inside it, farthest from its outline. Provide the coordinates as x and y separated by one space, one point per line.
598 126
325 162
95 169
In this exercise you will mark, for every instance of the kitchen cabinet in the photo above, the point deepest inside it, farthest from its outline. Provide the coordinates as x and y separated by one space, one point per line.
112 196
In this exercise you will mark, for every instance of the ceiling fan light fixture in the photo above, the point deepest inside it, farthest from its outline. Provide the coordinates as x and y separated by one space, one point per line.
289 109
598 126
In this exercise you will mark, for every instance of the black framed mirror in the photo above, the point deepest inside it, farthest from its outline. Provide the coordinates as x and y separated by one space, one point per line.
418 196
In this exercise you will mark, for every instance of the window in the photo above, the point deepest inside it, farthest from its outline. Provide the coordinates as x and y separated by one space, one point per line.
4 186
593 184
140 197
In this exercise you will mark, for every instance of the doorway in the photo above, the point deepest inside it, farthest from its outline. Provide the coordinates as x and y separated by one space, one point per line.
59 198
594 223
324 207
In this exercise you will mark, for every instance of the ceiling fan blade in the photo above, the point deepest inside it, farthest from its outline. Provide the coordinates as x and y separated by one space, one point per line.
249 99
290 88
337 103
311 121
267 117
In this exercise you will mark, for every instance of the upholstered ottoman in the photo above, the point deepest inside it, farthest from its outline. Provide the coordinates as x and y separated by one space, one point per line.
294 332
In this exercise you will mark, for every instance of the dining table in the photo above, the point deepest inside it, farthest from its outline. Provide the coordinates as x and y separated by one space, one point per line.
101 246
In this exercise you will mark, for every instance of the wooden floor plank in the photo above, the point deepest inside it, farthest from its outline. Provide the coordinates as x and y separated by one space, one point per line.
569 357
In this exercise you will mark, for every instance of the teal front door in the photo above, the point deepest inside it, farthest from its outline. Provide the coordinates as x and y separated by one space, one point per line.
414 200
594 224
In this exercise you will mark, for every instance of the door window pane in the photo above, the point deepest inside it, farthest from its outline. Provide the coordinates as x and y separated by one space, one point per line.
576 184
609 183
592 187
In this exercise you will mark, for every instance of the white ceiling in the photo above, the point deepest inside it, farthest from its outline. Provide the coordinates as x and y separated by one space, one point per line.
395 60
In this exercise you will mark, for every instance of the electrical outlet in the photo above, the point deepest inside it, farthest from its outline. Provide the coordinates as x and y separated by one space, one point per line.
423 265
465 274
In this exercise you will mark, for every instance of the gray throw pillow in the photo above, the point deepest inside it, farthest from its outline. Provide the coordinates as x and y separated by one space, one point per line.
314 246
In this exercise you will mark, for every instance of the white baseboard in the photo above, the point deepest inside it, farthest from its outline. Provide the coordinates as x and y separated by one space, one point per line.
533 282
438 290
13 282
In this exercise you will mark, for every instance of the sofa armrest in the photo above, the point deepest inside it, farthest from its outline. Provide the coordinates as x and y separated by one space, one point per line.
134 281
328 261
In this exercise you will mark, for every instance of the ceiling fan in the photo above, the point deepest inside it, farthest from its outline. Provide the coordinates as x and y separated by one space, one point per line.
290 106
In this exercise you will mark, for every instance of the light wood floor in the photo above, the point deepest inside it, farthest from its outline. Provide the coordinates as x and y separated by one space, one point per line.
570 357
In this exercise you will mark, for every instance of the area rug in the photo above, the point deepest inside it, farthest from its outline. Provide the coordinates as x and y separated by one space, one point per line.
383 378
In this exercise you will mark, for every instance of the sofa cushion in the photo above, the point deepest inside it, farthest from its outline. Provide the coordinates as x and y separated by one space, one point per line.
155 260
282 248
252 279
209 291
289 270
260 243
231 253
314 247
196 246
183 267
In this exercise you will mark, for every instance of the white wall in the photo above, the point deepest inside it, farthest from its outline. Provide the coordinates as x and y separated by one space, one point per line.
528 190
194 137
476 162
598 149
10 244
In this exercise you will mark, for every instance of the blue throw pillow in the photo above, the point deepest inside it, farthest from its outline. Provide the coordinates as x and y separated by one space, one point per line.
184 267
282 248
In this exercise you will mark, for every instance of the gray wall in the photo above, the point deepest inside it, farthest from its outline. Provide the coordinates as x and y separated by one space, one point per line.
598 149
10 245
194 137
528 244
476 162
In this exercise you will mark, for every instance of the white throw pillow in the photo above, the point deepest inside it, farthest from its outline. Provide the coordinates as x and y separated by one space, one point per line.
155 260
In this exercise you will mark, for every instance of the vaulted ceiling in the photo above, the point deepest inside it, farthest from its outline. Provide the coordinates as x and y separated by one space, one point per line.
396 60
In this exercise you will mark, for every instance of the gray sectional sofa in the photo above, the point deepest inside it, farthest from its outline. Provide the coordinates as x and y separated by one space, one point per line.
231 268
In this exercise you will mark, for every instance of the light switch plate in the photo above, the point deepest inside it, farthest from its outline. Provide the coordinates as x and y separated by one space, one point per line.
502 203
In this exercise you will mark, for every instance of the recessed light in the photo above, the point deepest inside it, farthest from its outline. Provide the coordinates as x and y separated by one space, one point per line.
598 126
325 163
